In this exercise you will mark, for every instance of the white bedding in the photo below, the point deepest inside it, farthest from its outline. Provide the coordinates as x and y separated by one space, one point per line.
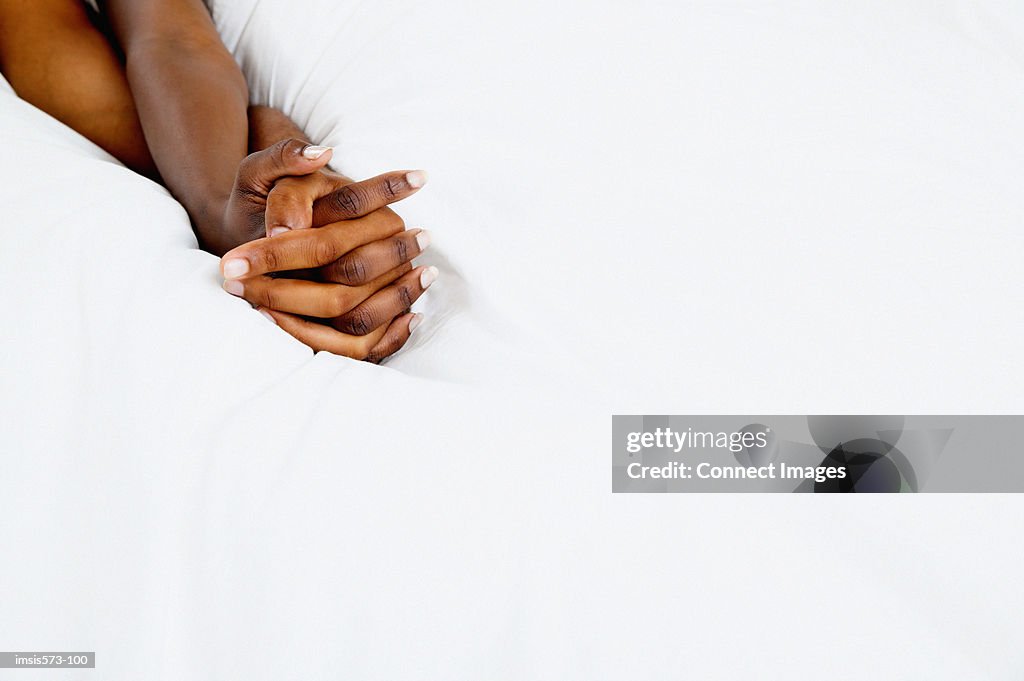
691 207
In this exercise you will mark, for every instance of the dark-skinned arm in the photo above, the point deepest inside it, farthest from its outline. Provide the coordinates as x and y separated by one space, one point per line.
191 99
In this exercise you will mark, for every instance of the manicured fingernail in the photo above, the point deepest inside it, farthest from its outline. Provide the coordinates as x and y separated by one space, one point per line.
234 287
428 276
279 230
415 321
416 178
423 239
268 316
235 268
314 152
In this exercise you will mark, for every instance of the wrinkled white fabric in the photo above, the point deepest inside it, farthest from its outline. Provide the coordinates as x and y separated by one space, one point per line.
648 207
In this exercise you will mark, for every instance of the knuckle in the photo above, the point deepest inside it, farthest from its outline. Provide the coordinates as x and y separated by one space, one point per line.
385 348
392 187
280 215
381 351
405 295
285 150
284 190
348 201
358 322
277 151
352 270
375 355
401 250
245 167
323 252
267 297
269 259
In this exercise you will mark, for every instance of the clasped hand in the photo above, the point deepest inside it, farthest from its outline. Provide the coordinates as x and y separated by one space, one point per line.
323 257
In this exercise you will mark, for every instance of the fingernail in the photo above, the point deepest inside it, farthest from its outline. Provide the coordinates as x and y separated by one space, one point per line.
416 178
268 316
423 239
428 276
314 152
235 268
279 230
234 287
415 321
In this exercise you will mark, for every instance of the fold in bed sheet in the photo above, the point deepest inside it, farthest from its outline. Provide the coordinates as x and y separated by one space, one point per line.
666 208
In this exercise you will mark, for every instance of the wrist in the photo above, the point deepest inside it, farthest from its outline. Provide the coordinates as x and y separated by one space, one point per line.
215 231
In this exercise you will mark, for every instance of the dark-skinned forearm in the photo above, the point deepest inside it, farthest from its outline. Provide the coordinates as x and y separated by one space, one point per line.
268 125
191 99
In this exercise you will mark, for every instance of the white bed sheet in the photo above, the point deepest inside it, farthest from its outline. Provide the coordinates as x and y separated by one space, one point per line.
666 208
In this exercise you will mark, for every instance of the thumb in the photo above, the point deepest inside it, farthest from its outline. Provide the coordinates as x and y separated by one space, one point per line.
260 170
